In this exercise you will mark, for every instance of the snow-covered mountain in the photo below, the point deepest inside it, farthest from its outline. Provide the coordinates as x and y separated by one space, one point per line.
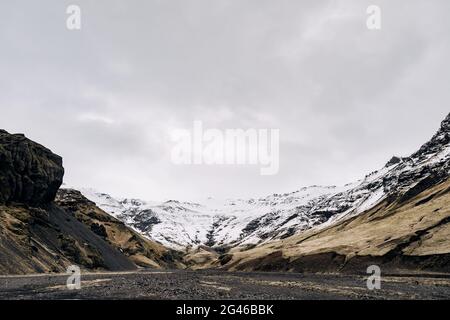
254 221
214 223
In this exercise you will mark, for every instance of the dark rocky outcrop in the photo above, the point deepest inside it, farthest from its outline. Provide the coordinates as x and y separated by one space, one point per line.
392 161
29 173
439 141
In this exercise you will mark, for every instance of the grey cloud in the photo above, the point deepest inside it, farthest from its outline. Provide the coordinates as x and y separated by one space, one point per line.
345 98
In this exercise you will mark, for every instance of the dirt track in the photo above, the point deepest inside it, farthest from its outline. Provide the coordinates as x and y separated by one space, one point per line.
223 285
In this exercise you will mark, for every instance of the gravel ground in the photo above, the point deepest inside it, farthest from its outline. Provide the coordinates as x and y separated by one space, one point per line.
223 285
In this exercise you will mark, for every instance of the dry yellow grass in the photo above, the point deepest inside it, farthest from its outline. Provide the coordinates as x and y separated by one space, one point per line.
201 258
420 226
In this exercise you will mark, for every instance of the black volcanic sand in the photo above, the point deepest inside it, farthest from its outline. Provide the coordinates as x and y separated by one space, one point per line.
224 285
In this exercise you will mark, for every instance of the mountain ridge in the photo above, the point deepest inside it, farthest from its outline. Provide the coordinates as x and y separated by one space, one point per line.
182 225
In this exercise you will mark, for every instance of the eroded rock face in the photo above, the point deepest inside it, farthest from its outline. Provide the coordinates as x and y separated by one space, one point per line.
437 143
29 172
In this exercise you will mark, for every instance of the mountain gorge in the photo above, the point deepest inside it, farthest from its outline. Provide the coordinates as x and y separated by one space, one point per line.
244 224
397 217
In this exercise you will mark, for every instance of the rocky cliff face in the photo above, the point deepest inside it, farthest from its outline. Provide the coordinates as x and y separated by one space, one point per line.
438 142
29 172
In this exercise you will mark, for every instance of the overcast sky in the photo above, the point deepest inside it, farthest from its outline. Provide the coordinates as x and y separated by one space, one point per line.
105 97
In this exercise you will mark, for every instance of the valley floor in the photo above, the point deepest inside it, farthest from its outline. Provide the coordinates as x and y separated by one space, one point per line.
224 285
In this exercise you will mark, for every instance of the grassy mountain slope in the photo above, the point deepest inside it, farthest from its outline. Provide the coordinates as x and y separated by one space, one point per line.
73 231
141 251
414 234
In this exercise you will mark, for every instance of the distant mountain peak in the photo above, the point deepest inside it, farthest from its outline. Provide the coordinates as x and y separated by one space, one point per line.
254 221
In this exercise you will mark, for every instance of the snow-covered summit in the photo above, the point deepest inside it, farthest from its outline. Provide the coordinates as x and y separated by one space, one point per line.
251 221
